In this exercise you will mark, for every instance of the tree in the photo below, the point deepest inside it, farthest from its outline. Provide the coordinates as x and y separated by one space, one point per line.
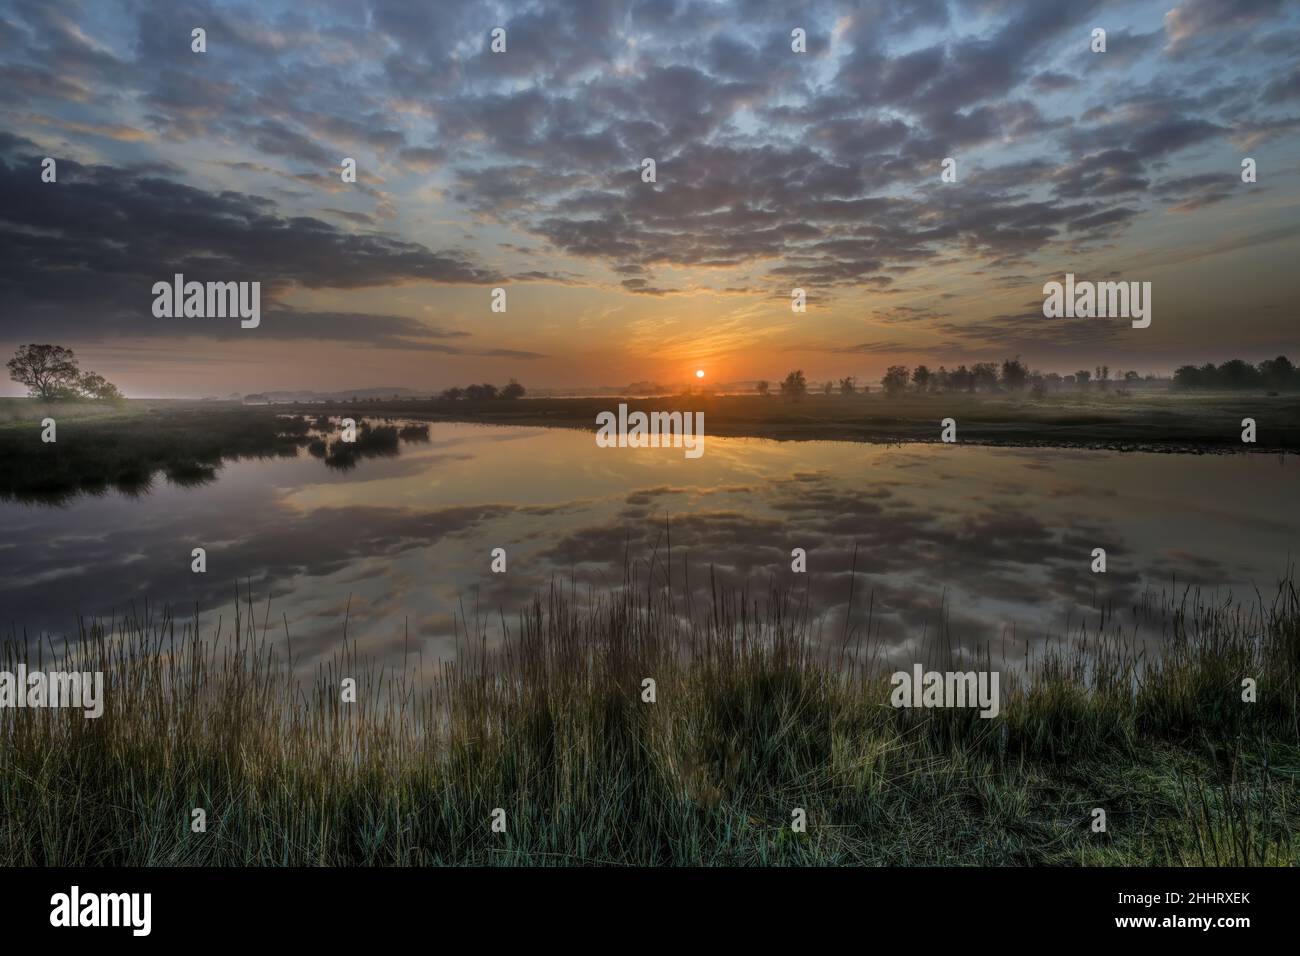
1082 377
1278 372
513 390
1131 376
795 386
764 388
1237 374
481 393
921 378
828 388
1014 374
453 394
48 371
895 379
95 387
848 385
985 375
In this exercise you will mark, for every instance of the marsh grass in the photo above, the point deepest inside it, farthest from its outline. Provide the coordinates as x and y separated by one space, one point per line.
185 446
757 713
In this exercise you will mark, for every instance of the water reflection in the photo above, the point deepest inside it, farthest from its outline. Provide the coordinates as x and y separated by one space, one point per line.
996 542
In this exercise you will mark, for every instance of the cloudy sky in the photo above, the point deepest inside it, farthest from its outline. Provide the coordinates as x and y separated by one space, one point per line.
522 170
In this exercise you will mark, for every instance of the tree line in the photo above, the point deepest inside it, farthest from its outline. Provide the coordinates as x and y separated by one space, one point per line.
1276 373
483 393
1012 375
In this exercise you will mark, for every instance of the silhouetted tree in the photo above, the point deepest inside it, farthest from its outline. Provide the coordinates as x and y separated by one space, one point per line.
48 371
985 375
1014 374
921 378
513 390
848 386
480 393
764 388
795 386
95 387
1278 372
895 379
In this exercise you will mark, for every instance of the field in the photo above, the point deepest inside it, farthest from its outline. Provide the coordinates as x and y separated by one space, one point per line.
752 720
128 444
1146 420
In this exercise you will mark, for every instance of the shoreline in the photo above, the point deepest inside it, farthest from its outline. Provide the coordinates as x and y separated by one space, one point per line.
1160 425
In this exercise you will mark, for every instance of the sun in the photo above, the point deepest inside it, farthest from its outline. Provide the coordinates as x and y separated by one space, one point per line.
699 373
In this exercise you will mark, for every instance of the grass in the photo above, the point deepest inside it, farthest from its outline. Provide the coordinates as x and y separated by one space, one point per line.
753 718
1146 420
128 447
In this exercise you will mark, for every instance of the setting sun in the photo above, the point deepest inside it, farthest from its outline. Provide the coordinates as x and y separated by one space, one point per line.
699 373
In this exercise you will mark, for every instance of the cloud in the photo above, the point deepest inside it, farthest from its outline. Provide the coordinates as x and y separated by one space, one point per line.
81 256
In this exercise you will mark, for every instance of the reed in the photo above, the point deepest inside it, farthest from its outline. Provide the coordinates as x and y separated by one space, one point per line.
757 712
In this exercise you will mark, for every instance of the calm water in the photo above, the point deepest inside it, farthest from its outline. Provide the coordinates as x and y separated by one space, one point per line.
997 540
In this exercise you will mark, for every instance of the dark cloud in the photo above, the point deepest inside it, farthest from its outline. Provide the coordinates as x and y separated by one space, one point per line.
81 256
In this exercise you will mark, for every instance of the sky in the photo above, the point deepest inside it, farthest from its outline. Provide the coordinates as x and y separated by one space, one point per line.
522 170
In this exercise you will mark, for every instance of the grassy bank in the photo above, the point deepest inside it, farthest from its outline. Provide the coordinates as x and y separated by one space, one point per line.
1150 421
131 446
751 721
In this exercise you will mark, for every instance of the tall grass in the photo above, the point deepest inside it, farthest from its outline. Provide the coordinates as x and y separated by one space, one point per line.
755 716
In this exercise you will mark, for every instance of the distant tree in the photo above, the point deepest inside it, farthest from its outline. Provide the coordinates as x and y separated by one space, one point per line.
828 388
985 375
1278 373
1131 376
795 386
895 379
480 393
95 387
1014 374
921 378
848 386
962 380
941 381
1083 376
764 388
453 394
48 371
1237 374
513 390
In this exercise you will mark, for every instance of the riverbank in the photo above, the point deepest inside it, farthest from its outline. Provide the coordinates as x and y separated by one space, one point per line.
1165 422
1098 756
